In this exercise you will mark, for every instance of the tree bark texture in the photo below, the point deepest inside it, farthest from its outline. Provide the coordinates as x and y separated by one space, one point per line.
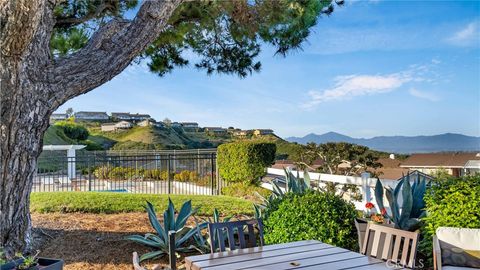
34 84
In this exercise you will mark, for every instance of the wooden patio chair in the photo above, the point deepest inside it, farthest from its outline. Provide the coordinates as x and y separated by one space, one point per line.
399 247
219 232
171 256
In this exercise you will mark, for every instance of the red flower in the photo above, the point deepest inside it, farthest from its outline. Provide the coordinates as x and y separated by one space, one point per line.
384 211
369 205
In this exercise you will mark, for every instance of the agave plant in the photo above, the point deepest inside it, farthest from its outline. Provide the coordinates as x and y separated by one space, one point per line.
204 240
294 184
406 216
159 240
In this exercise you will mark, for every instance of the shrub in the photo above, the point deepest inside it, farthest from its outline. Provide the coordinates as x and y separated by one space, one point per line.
313 215
123 173
244 161
246 191
451 202
154 174
183 176
102 172
73 130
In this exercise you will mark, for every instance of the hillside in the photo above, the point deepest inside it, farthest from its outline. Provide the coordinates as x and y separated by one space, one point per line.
137 138
400 144
141 138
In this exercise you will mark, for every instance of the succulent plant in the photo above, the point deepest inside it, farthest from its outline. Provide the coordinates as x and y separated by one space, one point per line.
294 184
159 240
406 216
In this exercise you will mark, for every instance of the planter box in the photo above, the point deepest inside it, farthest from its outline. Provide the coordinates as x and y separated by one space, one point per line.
43 264
361 225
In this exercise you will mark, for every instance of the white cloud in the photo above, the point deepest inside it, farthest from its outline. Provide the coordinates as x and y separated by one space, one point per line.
423 95
347 87
467 36
358 85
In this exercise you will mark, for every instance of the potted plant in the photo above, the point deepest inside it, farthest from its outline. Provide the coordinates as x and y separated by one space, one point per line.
406 202
32 262
370 215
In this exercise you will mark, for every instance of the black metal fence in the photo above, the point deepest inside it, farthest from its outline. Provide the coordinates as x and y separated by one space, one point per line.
159 172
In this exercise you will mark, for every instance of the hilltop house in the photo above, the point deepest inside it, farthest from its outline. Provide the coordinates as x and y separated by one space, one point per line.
456 164
150 122
58 117
139 117
176 125
215 130
91 116
260 132
242 133
116 126
121 116
189 126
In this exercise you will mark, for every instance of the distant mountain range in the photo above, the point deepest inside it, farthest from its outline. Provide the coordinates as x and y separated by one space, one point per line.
400 144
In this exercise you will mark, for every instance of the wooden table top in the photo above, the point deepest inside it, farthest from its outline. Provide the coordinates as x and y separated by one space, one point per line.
308 255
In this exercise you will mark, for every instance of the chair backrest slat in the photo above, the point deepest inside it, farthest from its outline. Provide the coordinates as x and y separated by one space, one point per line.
228 229
376 241
406 244
396 248
241 238
231 238
251 236
393 239
386 251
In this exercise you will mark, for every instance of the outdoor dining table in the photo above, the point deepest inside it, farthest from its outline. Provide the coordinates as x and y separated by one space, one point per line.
309 254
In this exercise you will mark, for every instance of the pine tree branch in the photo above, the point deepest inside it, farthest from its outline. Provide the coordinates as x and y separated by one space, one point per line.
109 51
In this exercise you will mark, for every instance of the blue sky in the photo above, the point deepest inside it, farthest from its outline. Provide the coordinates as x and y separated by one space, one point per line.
372 68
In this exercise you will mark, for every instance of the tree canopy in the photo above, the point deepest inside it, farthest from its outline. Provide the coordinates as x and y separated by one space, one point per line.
220 36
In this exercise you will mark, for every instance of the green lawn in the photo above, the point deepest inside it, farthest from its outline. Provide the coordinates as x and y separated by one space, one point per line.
109 203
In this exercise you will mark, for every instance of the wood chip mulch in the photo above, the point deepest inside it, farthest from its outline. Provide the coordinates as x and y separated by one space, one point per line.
91 241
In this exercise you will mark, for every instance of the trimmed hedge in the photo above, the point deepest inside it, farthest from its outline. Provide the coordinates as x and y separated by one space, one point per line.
244 161
313 215
451 202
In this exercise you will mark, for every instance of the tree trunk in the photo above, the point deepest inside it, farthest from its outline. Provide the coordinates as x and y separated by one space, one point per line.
23 120
33 84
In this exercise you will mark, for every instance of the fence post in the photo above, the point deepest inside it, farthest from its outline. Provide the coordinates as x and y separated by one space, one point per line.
169 173
366 194
212 171
89 174
217 177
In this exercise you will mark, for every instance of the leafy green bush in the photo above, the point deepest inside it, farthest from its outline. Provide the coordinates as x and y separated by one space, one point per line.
312 215
73 130
244 161
451 202
242 190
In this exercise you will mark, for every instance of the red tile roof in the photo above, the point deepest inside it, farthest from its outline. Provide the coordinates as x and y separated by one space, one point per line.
451 160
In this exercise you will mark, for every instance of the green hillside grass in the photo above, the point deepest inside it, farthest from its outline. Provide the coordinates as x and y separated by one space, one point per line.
54 135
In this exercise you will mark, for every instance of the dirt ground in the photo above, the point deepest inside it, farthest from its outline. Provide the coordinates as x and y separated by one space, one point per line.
91 241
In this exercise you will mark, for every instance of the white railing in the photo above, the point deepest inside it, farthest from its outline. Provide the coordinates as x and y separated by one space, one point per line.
365 183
